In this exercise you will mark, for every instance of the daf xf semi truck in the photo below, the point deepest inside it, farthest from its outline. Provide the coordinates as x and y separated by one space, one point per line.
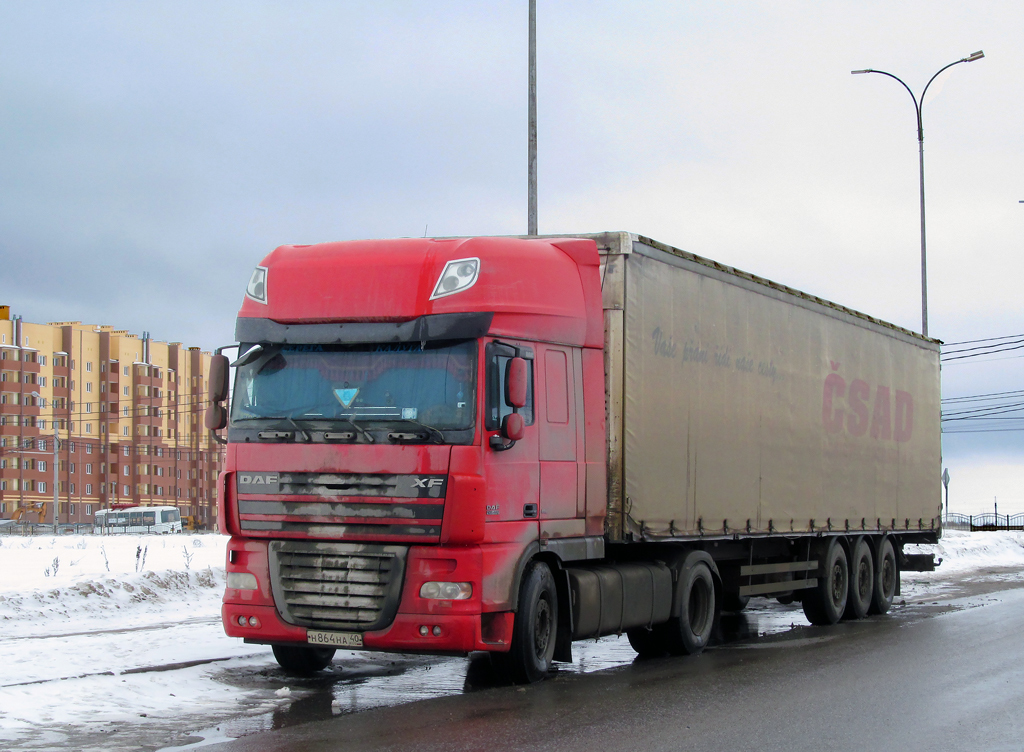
507 444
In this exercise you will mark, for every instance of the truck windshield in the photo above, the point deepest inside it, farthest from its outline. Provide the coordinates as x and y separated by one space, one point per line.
387 383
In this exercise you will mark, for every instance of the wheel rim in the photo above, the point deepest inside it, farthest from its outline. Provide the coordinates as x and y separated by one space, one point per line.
888 577
838 583
542 628
864 580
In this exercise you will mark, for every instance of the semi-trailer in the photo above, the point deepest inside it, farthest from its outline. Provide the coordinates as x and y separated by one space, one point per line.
507 444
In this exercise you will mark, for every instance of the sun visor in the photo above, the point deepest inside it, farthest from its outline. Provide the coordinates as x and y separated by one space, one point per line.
439 326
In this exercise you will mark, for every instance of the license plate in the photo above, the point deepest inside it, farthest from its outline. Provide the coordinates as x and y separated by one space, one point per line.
334 639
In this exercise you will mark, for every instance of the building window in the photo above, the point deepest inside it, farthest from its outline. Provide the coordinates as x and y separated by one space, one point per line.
71 507
126 371
88 510
72 488
127 451
88 427
124 411
41 423
88 468
127 391
127 470
42 379
127 490
42 486
88 386
88 489
103 488
88 450
125 431
88 366
42 465
72 446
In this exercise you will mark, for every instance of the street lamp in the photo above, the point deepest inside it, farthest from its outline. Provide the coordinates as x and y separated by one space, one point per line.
56 502
918 106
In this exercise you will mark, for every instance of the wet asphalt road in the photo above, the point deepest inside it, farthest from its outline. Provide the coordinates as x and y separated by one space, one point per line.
943 674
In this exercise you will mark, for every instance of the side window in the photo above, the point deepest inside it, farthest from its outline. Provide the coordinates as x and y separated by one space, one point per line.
498 356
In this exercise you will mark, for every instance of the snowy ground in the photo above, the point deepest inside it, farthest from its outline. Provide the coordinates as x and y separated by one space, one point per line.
115 643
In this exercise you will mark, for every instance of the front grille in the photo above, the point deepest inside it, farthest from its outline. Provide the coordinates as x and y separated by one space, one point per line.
337 586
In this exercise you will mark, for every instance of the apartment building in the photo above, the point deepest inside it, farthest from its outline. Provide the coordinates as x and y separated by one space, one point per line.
127 414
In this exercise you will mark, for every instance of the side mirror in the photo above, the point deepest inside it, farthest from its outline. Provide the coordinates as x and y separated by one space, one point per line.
218 379
216 417
516 382
513 427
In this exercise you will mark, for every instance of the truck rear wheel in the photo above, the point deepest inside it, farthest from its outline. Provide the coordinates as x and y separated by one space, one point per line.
885 578
862 581
689 632
536 627
734 602
298 660
825 603
646 642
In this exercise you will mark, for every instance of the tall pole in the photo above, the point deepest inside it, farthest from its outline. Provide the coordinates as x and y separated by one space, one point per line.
56 503
924 253
531 210
918 108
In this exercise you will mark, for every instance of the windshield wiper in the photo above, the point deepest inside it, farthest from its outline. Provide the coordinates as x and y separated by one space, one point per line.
362 431
432 433
299 428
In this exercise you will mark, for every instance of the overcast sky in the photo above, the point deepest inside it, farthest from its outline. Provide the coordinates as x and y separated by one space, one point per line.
151 153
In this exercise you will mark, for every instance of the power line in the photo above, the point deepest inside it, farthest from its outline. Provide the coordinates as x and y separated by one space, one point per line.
989 339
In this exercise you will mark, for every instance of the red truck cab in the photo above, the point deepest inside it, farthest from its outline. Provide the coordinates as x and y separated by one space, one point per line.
415 426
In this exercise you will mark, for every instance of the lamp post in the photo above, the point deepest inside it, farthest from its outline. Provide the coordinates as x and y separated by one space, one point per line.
531 157
56 502
918 106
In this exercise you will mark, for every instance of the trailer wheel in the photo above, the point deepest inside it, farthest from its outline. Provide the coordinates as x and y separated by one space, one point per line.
862 581
824 604
885 578
298 660
535 629
689 632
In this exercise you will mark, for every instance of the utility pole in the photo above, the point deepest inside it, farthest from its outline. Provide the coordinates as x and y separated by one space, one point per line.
531 211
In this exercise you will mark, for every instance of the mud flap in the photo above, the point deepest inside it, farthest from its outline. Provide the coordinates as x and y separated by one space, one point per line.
563 643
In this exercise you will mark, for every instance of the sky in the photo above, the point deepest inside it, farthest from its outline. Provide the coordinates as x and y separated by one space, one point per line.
152 153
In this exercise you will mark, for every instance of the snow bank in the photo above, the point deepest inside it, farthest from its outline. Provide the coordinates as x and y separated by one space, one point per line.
59 585
964 553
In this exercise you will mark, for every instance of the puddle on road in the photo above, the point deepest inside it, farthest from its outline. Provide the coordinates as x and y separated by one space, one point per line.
359 681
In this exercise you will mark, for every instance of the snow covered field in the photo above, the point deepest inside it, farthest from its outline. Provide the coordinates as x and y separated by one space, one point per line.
106 640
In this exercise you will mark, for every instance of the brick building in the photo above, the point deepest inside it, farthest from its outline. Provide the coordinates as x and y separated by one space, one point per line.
128 412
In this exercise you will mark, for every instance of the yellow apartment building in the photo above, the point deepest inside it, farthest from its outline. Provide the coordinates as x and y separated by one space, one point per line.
127 413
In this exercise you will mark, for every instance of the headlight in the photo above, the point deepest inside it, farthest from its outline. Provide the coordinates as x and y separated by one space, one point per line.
242 581
447 591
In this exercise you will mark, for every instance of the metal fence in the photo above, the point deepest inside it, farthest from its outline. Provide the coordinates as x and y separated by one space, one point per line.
984 522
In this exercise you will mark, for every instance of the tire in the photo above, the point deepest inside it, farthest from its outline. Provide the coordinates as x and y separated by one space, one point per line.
886 577
688 632
646 642
299 660
862 580
825 603
536 627
734 602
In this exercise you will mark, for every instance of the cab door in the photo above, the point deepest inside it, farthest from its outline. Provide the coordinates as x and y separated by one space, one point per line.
559 452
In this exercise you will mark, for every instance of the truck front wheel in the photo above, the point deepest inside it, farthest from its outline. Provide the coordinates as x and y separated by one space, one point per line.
298 660
689 632
536 627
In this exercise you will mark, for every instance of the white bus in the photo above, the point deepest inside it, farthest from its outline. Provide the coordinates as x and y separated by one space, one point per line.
161 520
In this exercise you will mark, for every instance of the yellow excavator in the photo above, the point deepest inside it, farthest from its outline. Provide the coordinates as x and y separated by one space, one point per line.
38 508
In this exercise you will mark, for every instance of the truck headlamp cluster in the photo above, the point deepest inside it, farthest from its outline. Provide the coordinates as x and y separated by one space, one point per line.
242 581
447 591
457 276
